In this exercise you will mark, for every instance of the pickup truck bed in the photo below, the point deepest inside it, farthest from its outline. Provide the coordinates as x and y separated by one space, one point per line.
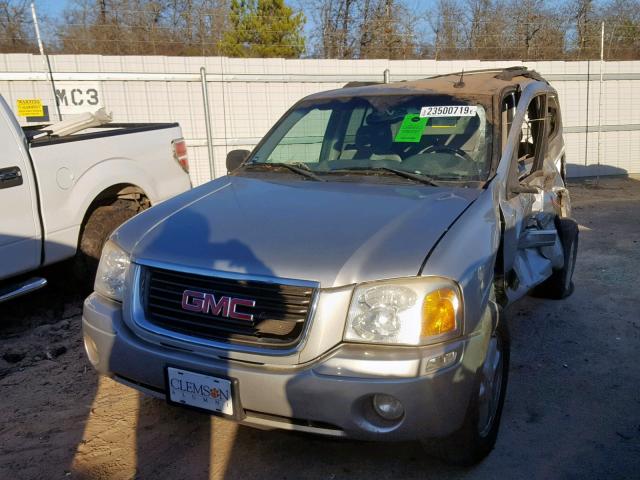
51 186
32 132
76 173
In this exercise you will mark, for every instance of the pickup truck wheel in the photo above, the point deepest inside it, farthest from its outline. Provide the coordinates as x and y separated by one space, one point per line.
560 284
98 227
477 436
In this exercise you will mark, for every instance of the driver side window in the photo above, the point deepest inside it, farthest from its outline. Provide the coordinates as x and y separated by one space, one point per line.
530 146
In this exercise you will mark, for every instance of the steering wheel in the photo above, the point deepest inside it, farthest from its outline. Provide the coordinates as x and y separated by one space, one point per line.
444 148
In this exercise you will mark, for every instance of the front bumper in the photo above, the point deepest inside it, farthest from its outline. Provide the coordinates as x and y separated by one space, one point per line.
330 395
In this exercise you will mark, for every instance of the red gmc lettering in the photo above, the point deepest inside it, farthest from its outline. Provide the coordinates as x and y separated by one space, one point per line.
241 316
223 307
219 308
192 300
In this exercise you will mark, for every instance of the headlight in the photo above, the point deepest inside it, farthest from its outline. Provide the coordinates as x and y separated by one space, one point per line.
415 311
112 271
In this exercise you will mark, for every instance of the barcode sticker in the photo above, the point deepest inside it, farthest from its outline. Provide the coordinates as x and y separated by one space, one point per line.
449 111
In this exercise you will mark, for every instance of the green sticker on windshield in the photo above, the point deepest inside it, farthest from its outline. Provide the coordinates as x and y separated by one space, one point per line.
411 128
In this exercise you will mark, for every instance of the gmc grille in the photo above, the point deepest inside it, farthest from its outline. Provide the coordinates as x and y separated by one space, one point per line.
279 315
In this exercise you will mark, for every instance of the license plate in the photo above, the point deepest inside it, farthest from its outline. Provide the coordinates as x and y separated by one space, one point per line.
205 392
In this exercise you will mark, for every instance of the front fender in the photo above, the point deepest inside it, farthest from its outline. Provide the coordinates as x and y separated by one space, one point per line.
467 254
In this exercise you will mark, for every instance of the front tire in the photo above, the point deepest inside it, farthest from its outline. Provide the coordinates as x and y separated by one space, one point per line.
476 438
100 224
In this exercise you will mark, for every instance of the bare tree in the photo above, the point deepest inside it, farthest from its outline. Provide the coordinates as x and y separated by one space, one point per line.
386 30
449 29
334 34
14 25
487 28
363 29
622 29
144 27
583 15
446 26
532 33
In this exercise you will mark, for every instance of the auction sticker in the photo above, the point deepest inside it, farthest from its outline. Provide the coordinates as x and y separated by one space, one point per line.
411 129
449 111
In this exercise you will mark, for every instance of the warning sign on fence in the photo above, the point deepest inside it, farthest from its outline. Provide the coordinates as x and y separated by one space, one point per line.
30 107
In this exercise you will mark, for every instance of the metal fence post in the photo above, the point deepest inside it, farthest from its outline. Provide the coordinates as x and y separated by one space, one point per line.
600 99
207 119
586 123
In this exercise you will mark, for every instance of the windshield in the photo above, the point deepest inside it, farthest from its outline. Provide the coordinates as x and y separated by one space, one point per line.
433 135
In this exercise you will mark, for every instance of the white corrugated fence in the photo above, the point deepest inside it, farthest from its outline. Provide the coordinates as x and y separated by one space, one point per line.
246 96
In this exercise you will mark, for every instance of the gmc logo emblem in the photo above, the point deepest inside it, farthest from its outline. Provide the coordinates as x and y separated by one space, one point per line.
223 307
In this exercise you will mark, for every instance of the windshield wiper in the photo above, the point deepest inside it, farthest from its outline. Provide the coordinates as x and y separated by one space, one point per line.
298 167
418 177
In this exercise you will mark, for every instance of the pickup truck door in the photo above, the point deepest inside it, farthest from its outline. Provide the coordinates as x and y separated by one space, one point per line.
531 247
20 235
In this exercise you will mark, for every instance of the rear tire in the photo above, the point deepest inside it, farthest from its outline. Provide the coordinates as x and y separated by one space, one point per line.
476 438
100 224
560 284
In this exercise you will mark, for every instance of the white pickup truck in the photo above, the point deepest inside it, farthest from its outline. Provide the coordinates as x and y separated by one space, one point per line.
62 194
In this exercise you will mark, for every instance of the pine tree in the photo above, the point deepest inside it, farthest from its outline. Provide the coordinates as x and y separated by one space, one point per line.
263 28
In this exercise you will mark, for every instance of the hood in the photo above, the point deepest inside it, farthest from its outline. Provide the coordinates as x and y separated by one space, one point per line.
334 233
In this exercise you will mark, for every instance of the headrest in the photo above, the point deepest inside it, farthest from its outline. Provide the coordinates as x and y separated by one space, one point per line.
374 136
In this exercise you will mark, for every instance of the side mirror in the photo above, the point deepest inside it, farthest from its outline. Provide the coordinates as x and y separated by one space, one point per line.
235 159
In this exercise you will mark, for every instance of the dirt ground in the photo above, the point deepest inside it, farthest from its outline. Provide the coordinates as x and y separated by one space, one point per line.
572 408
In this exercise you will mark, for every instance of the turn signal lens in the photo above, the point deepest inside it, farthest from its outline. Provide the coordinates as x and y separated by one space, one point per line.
439 312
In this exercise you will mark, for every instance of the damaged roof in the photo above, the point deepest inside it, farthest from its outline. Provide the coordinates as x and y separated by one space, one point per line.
478 84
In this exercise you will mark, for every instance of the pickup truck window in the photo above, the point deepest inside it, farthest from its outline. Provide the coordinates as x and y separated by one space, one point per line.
451 141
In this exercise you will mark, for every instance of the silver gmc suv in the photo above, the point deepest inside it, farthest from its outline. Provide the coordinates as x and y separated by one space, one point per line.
348 277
